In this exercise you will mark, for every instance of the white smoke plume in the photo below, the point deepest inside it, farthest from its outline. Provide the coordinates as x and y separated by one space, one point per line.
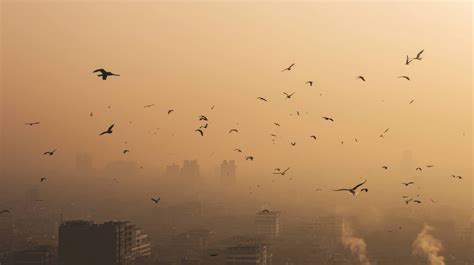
355 244
426 245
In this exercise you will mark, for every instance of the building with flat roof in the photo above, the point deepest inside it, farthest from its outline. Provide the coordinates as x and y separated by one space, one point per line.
268 224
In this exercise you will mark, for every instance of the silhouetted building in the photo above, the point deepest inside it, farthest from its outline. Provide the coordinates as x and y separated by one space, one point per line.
190 169
41 255
110 243
251 254
268 224
172 170
228 172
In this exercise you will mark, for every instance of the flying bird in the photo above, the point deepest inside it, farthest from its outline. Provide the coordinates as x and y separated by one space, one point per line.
4 211
408 61
203 126
49 152
156 200
288 68
417 201
404 76
309 82
104 74
233 130
364 190
212 108
32 123
280 172
91 114
42 179
273 135
313 136
288 95
169 111
418 56
199 131
361 78
429 166
385 167
125 151
238 150
411 101
203 118
355 139
149 106
263 99
419 169
249 158
293 143
108 131
408 183
353 190
328 119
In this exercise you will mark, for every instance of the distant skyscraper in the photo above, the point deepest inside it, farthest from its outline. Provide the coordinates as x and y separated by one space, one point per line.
110 243
268 224
190 169
228 172
172 170
249 254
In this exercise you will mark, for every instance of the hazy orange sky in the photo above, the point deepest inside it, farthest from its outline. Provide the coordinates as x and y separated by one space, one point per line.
189 56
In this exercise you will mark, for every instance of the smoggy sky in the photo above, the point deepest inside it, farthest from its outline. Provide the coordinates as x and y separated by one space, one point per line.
189 56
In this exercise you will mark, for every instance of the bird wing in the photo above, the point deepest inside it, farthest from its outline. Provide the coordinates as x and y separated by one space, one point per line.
286 170
200 131
169 111
100 70
359 185
110 127
418 55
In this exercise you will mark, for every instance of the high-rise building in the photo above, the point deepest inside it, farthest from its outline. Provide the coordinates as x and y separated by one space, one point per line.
268 224
190 169
41 255
110 243
250 254
228 172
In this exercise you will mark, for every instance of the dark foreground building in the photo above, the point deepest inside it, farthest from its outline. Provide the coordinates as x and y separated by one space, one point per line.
110 243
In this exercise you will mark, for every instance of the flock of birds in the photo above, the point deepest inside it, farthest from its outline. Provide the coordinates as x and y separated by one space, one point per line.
354 191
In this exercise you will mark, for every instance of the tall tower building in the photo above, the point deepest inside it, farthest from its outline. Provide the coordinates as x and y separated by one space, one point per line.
268 224
228 172
256 254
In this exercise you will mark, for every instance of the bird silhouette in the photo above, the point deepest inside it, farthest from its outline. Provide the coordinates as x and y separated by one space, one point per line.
50 153
288 68
149 106
281 172
355 139
353 190
273 135
288 95
404 76
276 124
430 166
238 150
42 179
419 169
385 167
249 158
313 136
32 123
293 143
212 108
104 74
262 99
125 151
213 254
91 114
309 82
203 118
4 211
203 126
233 130
199 131
418 56
364 190
408 201
408 183
108 131
361 78
411 101
156 200
169 111
328 119
408 61
417 201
